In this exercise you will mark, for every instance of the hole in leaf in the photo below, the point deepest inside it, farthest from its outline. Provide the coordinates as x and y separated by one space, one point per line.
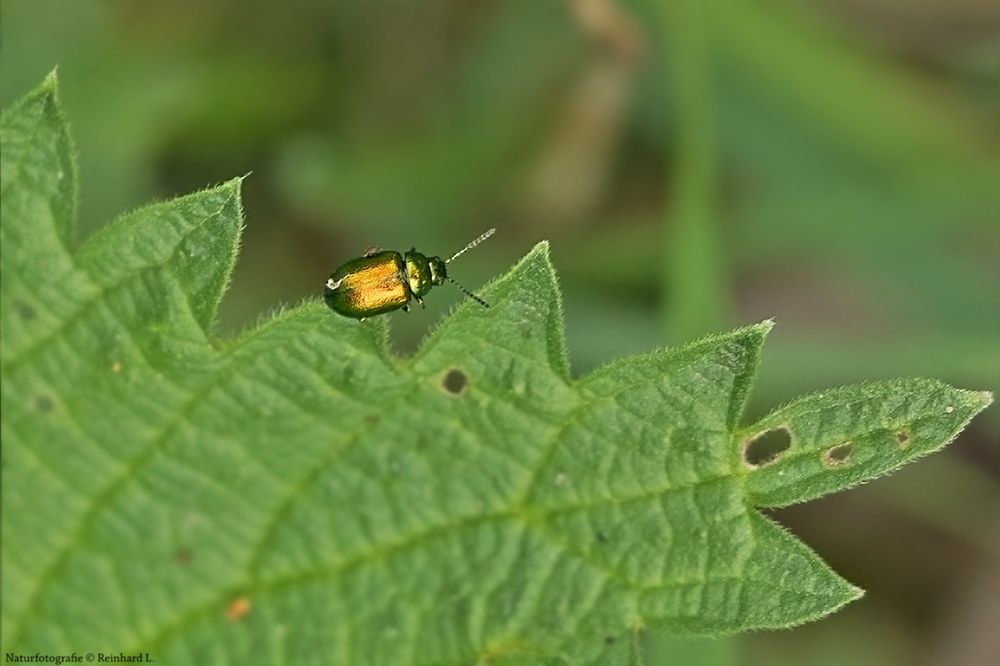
838 455
609 639
455 381
903 438
767 447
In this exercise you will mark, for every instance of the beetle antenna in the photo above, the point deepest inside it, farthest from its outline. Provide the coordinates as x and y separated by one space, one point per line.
469 293
470 246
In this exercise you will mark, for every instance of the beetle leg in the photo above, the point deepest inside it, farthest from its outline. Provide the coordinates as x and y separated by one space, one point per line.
420 300
372 250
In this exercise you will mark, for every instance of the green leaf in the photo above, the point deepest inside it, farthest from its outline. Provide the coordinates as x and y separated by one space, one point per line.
299 495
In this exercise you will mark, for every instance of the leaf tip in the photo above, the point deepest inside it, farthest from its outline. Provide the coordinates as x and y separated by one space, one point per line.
51 81
757 332
846 593
541 247
538 253
841 593
233 188
973 401
46 92
982 399
234 184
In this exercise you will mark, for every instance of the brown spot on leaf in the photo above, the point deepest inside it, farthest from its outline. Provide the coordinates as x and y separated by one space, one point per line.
238 609
838 455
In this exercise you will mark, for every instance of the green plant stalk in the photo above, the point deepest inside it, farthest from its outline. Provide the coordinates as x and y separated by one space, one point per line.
694 280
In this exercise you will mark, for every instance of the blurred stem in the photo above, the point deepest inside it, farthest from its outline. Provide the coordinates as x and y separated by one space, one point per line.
792 50
693 278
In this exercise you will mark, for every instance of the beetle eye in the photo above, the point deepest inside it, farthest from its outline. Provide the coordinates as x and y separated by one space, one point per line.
438 271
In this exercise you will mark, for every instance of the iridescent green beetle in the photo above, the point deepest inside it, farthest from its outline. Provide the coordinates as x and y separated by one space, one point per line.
383 281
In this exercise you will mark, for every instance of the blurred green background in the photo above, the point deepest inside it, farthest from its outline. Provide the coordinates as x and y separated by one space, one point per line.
834 164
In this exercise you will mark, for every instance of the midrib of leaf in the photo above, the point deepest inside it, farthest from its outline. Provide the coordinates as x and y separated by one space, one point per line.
104 497
131 466
517 511
232 359
535 520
